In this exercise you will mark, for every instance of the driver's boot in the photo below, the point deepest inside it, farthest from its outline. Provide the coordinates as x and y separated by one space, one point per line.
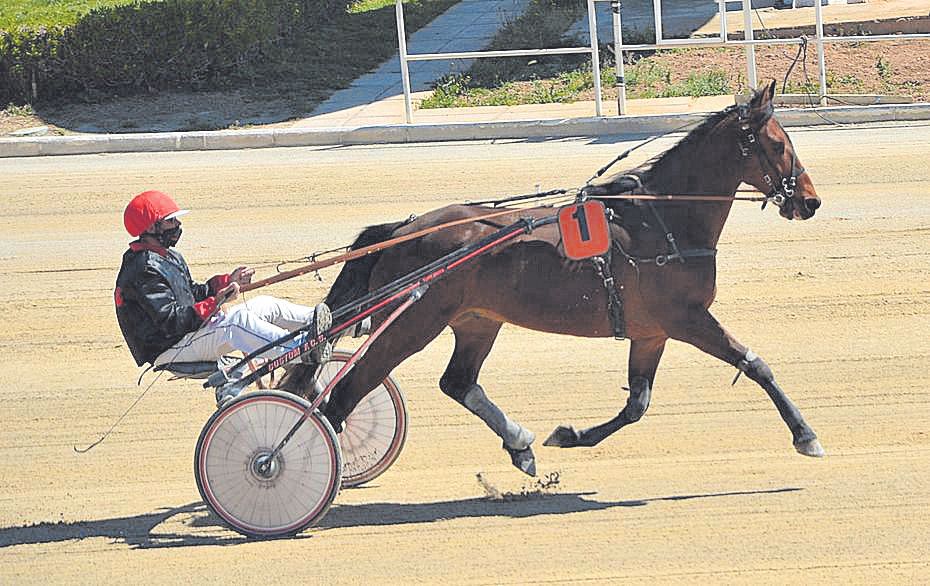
321 321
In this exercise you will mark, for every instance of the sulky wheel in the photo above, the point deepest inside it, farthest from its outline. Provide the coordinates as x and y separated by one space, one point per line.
256 496
375 431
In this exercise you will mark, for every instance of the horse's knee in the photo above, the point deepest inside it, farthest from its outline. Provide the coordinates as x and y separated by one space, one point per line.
640 394
755 368
454 387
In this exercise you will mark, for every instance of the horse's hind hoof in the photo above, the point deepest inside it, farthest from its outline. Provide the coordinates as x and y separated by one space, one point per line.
523 459
563 437
811 448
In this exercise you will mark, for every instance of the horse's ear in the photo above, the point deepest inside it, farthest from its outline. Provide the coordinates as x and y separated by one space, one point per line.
762 100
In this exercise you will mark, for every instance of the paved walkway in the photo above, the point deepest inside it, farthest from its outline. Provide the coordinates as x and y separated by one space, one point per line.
468 26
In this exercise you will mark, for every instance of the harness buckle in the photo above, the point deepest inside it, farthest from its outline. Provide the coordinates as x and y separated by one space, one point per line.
661 260
779 199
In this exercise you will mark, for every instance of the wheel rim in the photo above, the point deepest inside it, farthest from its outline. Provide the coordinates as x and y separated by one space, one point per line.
258 495
374 431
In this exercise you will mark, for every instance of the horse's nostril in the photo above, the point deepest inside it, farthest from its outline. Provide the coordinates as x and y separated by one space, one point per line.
812 203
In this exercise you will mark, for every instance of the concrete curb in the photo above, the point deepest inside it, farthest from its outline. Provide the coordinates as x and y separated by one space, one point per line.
404 133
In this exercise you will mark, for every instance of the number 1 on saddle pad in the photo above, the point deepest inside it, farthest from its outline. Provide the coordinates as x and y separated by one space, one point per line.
583 227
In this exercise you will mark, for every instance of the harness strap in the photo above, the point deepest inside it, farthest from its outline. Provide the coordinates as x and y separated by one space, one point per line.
614 302
660 260
669 237
680 255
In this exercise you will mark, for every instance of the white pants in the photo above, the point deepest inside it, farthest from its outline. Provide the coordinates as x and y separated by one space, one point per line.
245 327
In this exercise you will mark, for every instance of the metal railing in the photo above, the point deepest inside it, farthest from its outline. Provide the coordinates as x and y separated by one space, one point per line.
721 40
405 57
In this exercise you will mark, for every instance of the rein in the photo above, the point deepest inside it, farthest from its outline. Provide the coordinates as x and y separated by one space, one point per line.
720 198
371 249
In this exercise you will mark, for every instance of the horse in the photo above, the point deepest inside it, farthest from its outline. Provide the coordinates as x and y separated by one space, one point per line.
662 265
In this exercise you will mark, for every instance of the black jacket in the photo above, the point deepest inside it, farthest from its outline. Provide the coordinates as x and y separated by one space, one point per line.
157 302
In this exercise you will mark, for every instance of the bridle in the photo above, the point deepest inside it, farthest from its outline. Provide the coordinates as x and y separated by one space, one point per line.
779 191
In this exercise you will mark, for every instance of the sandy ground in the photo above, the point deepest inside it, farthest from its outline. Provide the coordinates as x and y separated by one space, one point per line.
706 488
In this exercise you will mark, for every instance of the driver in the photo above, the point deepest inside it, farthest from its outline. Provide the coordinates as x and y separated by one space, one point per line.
166 317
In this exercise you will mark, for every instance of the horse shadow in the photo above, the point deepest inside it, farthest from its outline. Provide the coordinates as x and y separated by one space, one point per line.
193 525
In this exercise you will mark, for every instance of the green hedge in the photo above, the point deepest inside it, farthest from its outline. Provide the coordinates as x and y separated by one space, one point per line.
147 46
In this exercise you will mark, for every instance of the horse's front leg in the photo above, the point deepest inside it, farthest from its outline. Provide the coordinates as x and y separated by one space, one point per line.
703 331
644 360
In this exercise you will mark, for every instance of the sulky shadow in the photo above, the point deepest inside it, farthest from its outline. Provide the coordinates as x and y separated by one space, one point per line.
193 525
188 525
375 514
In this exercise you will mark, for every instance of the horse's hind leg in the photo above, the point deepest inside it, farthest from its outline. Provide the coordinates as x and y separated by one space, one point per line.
644 360
703 331
411 333
474 337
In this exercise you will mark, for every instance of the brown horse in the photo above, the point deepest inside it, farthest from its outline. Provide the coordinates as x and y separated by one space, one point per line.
663 260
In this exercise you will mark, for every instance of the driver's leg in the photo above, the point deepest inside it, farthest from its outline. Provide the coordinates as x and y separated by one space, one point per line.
292 316
224 333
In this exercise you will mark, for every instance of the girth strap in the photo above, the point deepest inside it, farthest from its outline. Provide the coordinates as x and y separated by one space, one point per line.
614 302
661 260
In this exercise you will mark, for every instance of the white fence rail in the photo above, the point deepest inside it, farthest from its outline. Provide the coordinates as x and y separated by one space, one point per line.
722 40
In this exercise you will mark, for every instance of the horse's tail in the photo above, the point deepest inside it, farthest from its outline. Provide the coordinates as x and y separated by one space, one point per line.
353 279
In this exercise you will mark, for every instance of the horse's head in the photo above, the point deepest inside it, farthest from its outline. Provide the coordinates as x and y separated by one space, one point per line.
771 163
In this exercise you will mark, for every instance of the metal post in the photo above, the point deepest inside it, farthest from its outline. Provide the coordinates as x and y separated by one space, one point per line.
595 58
750 48
402 54
722 4
657 11
618 53
818 12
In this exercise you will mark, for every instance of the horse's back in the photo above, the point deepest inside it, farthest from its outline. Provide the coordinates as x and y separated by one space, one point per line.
487 220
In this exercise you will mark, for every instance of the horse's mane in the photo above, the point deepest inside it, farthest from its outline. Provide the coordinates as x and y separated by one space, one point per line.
696 135
352 281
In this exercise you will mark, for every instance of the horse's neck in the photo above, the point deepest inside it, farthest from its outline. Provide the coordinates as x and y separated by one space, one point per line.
698 170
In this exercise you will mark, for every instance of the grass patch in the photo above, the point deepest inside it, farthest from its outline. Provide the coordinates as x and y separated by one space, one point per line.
369 5
506 82
35 13
645 79
303 67
14 110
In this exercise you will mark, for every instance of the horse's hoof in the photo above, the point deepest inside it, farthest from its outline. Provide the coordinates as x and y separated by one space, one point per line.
523 459
563 437
811 448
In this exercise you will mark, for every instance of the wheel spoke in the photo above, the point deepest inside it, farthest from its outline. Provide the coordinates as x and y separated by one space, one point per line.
294 491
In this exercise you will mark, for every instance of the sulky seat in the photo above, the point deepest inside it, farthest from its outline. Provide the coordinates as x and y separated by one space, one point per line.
199 369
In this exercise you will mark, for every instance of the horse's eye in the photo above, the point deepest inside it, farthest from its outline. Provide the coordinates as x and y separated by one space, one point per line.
780 148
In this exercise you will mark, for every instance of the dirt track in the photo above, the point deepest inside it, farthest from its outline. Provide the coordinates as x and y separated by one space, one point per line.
706 488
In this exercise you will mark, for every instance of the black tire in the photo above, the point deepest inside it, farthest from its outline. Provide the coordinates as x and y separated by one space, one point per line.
302 482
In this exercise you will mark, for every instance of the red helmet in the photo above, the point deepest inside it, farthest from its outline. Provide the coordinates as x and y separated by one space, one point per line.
147 208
